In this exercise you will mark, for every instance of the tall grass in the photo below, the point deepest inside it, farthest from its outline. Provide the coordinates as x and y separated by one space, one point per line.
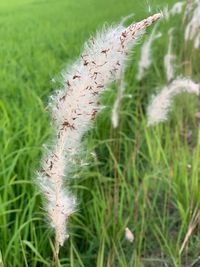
146 179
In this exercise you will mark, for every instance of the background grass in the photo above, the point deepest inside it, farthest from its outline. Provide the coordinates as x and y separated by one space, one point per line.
143 178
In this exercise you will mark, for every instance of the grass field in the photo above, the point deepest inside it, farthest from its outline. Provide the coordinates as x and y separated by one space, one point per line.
146 179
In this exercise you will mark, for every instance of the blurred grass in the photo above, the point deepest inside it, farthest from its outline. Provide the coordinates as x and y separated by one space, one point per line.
143 178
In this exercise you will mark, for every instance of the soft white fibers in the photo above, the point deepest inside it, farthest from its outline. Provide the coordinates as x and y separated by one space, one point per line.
160 105
74 108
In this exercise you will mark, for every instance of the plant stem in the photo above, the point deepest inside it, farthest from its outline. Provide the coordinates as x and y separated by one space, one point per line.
57 248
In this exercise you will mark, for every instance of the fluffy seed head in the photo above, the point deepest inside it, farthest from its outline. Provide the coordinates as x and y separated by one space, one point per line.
192 30
160 105
74 108
169 58
146 56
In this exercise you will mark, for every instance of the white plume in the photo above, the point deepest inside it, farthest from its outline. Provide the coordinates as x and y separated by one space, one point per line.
189 8
74 108
192 30
169 58
160 106
146 56
116 106
177 8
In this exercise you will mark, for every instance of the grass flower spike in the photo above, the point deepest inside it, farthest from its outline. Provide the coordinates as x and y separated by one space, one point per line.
169 58
74 108
158 109
192 31
146 57
177 8
116 106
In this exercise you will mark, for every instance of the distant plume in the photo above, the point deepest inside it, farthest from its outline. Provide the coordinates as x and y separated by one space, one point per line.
146 54
161 104
169 58
116 106
177 8
192 31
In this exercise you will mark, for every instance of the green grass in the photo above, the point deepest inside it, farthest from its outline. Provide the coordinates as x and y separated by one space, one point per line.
141 177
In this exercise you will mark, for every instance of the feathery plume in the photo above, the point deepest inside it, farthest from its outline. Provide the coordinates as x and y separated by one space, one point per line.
177 8
74 108
146 57
169 58
160 106
189 8
120 95
192 30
